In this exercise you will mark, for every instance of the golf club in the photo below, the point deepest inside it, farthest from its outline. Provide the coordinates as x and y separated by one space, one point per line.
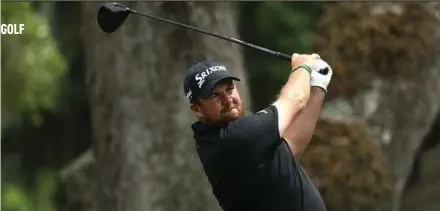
112 15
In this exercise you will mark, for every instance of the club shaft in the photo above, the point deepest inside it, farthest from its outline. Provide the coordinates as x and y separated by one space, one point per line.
231 39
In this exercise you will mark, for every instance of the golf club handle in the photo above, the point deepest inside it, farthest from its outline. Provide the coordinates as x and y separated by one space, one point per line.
278 54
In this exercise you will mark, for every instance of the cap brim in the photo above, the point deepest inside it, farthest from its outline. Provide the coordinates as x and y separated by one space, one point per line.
206 92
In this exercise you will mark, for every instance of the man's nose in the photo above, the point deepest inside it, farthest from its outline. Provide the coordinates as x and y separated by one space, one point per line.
226 98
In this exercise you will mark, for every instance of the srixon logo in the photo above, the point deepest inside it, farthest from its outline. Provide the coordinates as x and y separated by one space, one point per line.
201 76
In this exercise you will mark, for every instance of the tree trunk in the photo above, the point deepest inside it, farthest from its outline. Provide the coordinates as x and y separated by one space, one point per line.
386 75
423 186
142 140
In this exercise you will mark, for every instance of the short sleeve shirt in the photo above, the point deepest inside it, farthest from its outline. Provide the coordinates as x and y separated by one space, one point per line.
250 167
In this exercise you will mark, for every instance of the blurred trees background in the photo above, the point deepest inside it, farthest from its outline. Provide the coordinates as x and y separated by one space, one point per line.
95 121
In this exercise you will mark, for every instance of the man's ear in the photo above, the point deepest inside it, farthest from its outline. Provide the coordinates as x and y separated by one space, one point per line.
197 110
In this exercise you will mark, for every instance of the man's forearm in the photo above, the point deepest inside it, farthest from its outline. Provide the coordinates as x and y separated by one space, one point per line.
293 98
300 131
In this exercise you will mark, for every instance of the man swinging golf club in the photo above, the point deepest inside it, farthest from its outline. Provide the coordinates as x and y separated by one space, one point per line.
252 161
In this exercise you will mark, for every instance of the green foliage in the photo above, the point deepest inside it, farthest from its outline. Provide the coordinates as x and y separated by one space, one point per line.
288 27
31 65
19 198
14 198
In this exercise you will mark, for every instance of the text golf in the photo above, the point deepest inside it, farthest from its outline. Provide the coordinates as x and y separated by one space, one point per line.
12 28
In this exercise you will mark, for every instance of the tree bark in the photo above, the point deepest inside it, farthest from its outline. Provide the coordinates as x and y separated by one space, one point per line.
386 76
360 178
142 141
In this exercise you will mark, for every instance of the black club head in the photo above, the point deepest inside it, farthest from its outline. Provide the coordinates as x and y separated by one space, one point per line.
111 16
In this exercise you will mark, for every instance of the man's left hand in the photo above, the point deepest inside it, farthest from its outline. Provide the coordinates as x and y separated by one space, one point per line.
318 79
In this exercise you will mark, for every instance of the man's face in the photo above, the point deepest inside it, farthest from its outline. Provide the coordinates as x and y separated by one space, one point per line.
224 104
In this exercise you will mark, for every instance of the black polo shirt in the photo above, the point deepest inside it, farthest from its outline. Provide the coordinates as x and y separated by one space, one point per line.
250 167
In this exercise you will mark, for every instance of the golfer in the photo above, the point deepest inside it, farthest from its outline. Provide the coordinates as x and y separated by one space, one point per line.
252 160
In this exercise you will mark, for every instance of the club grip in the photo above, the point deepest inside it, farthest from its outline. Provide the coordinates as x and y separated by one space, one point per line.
277 54
285 56
289 58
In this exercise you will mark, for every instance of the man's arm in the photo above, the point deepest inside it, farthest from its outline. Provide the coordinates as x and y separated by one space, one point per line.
295 93
300 131
262 131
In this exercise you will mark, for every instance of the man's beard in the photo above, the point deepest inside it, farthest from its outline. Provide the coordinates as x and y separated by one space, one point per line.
225 118
228 118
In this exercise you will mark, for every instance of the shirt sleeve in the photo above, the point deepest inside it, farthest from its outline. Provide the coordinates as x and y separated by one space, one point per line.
254 134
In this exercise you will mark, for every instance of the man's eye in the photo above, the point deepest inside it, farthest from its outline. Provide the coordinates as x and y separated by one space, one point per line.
213 96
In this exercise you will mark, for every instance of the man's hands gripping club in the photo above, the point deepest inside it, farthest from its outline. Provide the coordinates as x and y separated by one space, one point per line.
300 130
295 93
316 64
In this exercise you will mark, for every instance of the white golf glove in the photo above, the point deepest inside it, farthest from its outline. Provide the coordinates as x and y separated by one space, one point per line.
319 79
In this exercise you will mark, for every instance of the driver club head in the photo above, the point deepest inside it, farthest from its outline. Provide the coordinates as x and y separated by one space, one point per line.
111 16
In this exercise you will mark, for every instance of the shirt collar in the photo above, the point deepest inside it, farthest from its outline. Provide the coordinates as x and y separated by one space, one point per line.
201 129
